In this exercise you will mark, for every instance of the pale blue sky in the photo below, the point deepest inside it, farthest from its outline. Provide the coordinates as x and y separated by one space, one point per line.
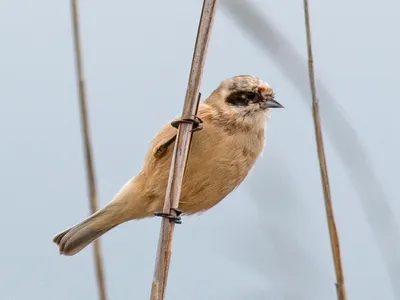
137 57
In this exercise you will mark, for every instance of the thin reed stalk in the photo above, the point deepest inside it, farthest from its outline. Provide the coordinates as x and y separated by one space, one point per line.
333 234
181 150
91 180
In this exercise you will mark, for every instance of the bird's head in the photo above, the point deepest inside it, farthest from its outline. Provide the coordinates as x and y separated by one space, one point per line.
245 95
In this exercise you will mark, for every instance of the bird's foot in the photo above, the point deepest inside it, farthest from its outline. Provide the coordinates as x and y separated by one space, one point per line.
172 217
195 120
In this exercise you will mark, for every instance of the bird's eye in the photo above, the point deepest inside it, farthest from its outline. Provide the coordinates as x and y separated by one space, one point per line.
251 95
241 98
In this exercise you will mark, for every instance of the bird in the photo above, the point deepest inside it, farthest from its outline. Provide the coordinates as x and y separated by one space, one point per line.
233 124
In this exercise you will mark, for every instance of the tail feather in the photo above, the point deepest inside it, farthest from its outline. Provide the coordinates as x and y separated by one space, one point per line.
74 239
126 205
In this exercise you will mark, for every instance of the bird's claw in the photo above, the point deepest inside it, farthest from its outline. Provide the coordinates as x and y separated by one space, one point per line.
197 125
195 120
172 217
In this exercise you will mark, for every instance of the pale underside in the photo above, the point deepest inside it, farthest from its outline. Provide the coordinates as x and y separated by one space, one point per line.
220 157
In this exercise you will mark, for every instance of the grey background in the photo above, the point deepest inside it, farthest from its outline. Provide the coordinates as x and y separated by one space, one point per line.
268 239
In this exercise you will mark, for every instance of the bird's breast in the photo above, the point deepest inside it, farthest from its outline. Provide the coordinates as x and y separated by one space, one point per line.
218 162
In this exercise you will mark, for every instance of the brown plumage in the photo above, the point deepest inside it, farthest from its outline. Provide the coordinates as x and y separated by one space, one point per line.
220 157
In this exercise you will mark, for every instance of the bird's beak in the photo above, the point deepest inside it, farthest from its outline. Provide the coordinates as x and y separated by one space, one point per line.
274 104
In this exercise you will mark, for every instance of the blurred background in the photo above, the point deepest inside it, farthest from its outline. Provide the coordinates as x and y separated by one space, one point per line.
269 238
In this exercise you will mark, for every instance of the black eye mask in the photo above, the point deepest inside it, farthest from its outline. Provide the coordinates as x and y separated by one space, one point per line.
242 98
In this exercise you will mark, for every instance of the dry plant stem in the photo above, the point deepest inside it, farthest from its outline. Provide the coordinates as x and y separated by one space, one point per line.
87 146
334 238
181 150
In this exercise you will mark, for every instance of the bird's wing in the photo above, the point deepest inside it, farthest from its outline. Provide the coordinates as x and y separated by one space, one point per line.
161 148
167 135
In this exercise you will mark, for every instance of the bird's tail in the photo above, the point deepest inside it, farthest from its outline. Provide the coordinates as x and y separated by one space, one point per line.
126 205
74 239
